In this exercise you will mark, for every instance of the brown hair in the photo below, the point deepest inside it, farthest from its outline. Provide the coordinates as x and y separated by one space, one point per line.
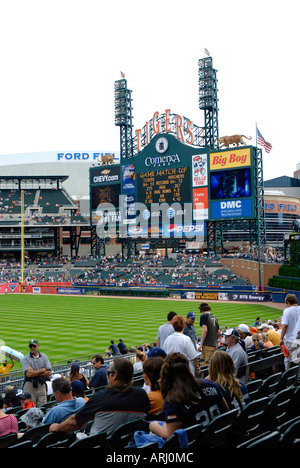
291 299
221 371
152 367
124 370
178 323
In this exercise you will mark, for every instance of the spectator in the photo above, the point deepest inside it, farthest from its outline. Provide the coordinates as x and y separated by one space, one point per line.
235 350
210 333
78 389
5 368
67 404
221 372
289 324
187 400
189 328
37 369
8 422
26 401
245 335
75 374
138 365
266 340
122 347
109 408
33 417
113 348
257 342
12 397
151 372
273 334
165 330
257 322
178 342
99 378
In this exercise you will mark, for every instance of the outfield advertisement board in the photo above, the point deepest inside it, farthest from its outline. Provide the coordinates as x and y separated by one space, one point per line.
171 189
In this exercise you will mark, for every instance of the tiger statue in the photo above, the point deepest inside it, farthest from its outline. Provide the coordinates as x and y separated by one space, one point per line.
232 140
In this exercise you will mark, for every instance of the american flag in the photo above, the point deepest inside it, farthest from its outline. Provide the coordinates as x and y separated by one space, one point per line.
262 142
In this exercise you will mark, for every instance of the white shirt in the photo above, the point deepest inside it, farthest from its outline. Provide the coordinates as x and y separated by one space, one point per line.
290 317
179 343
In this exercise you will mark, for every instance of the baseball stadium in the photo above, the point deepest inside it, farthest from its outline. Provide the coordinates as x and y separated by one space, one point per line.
98 247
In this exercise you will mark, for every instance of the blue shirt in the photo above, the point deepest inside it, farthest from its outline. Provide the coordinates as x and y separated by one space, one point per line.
63 410
99 379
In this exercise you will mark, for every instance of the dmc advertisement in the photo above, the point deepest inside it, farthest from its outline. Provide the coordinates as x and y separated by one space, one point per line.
231 185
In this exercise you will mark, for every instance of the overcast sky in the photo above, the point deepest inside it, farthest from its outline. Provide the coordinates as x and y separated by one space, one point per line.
60 59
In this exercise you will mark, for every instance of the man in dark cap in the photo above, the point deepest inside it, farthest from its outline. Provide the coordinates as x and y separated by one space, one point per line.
37 370
189 328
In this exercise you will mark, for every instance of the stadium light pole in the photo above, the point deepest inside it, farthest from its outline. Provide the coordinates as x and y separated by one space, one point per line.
22 235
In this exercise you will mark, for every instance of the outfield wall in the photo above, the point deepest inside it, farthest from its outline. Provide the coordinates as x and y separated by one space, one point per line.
189 292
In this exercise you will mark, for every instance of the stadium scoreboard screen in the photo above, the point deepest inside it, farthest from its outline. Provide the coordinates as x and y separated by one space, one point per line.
164 186
175 187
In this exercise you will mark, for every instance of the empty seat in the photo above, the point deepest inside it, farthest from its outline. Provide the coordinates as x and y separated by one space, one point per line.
276 412
92 441
248 421
289 377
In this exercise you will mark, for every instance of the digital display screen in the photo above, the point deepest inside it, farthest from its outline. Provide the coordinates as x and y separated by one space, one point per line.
233 183
105 194
164 186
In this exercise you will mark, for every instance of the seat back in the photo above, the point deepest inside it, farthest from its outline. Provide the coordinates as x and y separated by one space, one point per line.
270 385
92 441
45 441
289 377
276 412
121 436
253 388
248 421
266 441
7 440
35 433
216 433
291 434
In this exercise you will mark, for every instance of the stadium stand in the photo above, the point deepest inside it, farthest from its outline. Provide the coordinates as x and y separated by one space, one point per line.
272 415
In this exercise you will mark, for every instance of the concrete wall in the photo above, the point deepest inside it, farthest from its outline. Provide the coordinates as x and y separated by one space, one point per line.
249 269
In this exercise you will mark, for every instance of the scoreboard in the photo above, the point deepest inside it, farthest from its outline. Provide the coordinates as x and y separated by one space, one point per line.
164 186
174 187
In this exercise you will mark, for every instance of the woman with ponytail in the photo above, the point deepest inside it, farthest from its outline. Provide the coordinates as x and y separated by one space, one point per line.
187 400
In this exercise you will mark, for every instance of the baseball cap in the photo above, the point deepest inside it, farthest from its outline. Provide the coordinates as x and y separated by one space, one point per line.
232 332
191 314
77 386
244 328
34 342
155 352
24 396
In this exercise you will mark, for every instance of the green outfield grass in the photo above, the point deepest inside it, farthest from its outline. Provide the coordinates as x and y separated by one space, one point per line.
69 327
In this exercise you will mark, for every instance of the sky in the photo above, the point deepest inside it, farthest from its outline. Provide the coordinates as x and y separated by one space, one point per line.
60 59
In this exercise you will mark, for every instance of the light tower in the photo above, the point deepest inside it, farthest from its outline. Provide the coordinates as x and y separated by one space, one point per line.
208 100
123 117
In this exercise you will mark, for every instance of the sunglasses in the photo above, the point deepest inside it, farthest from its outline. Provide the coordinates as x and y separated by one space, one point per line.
32 346
110 372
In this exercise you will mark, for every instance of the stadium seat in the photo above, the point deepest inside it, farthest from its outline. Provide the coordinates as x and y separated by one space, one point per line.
270 385
121 436
276 412
289 377
35 433
267 440
253 387
24 444
7 440
52 438
247 423
216 433
92 441
289 437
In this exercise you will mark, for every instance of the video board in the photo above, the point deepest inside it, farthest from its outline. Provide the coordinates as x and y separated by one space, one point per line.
172 189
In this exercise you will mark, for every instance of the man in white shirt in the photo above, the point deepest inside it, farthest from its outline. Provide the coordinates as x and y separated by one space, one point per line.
289 324
180 343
